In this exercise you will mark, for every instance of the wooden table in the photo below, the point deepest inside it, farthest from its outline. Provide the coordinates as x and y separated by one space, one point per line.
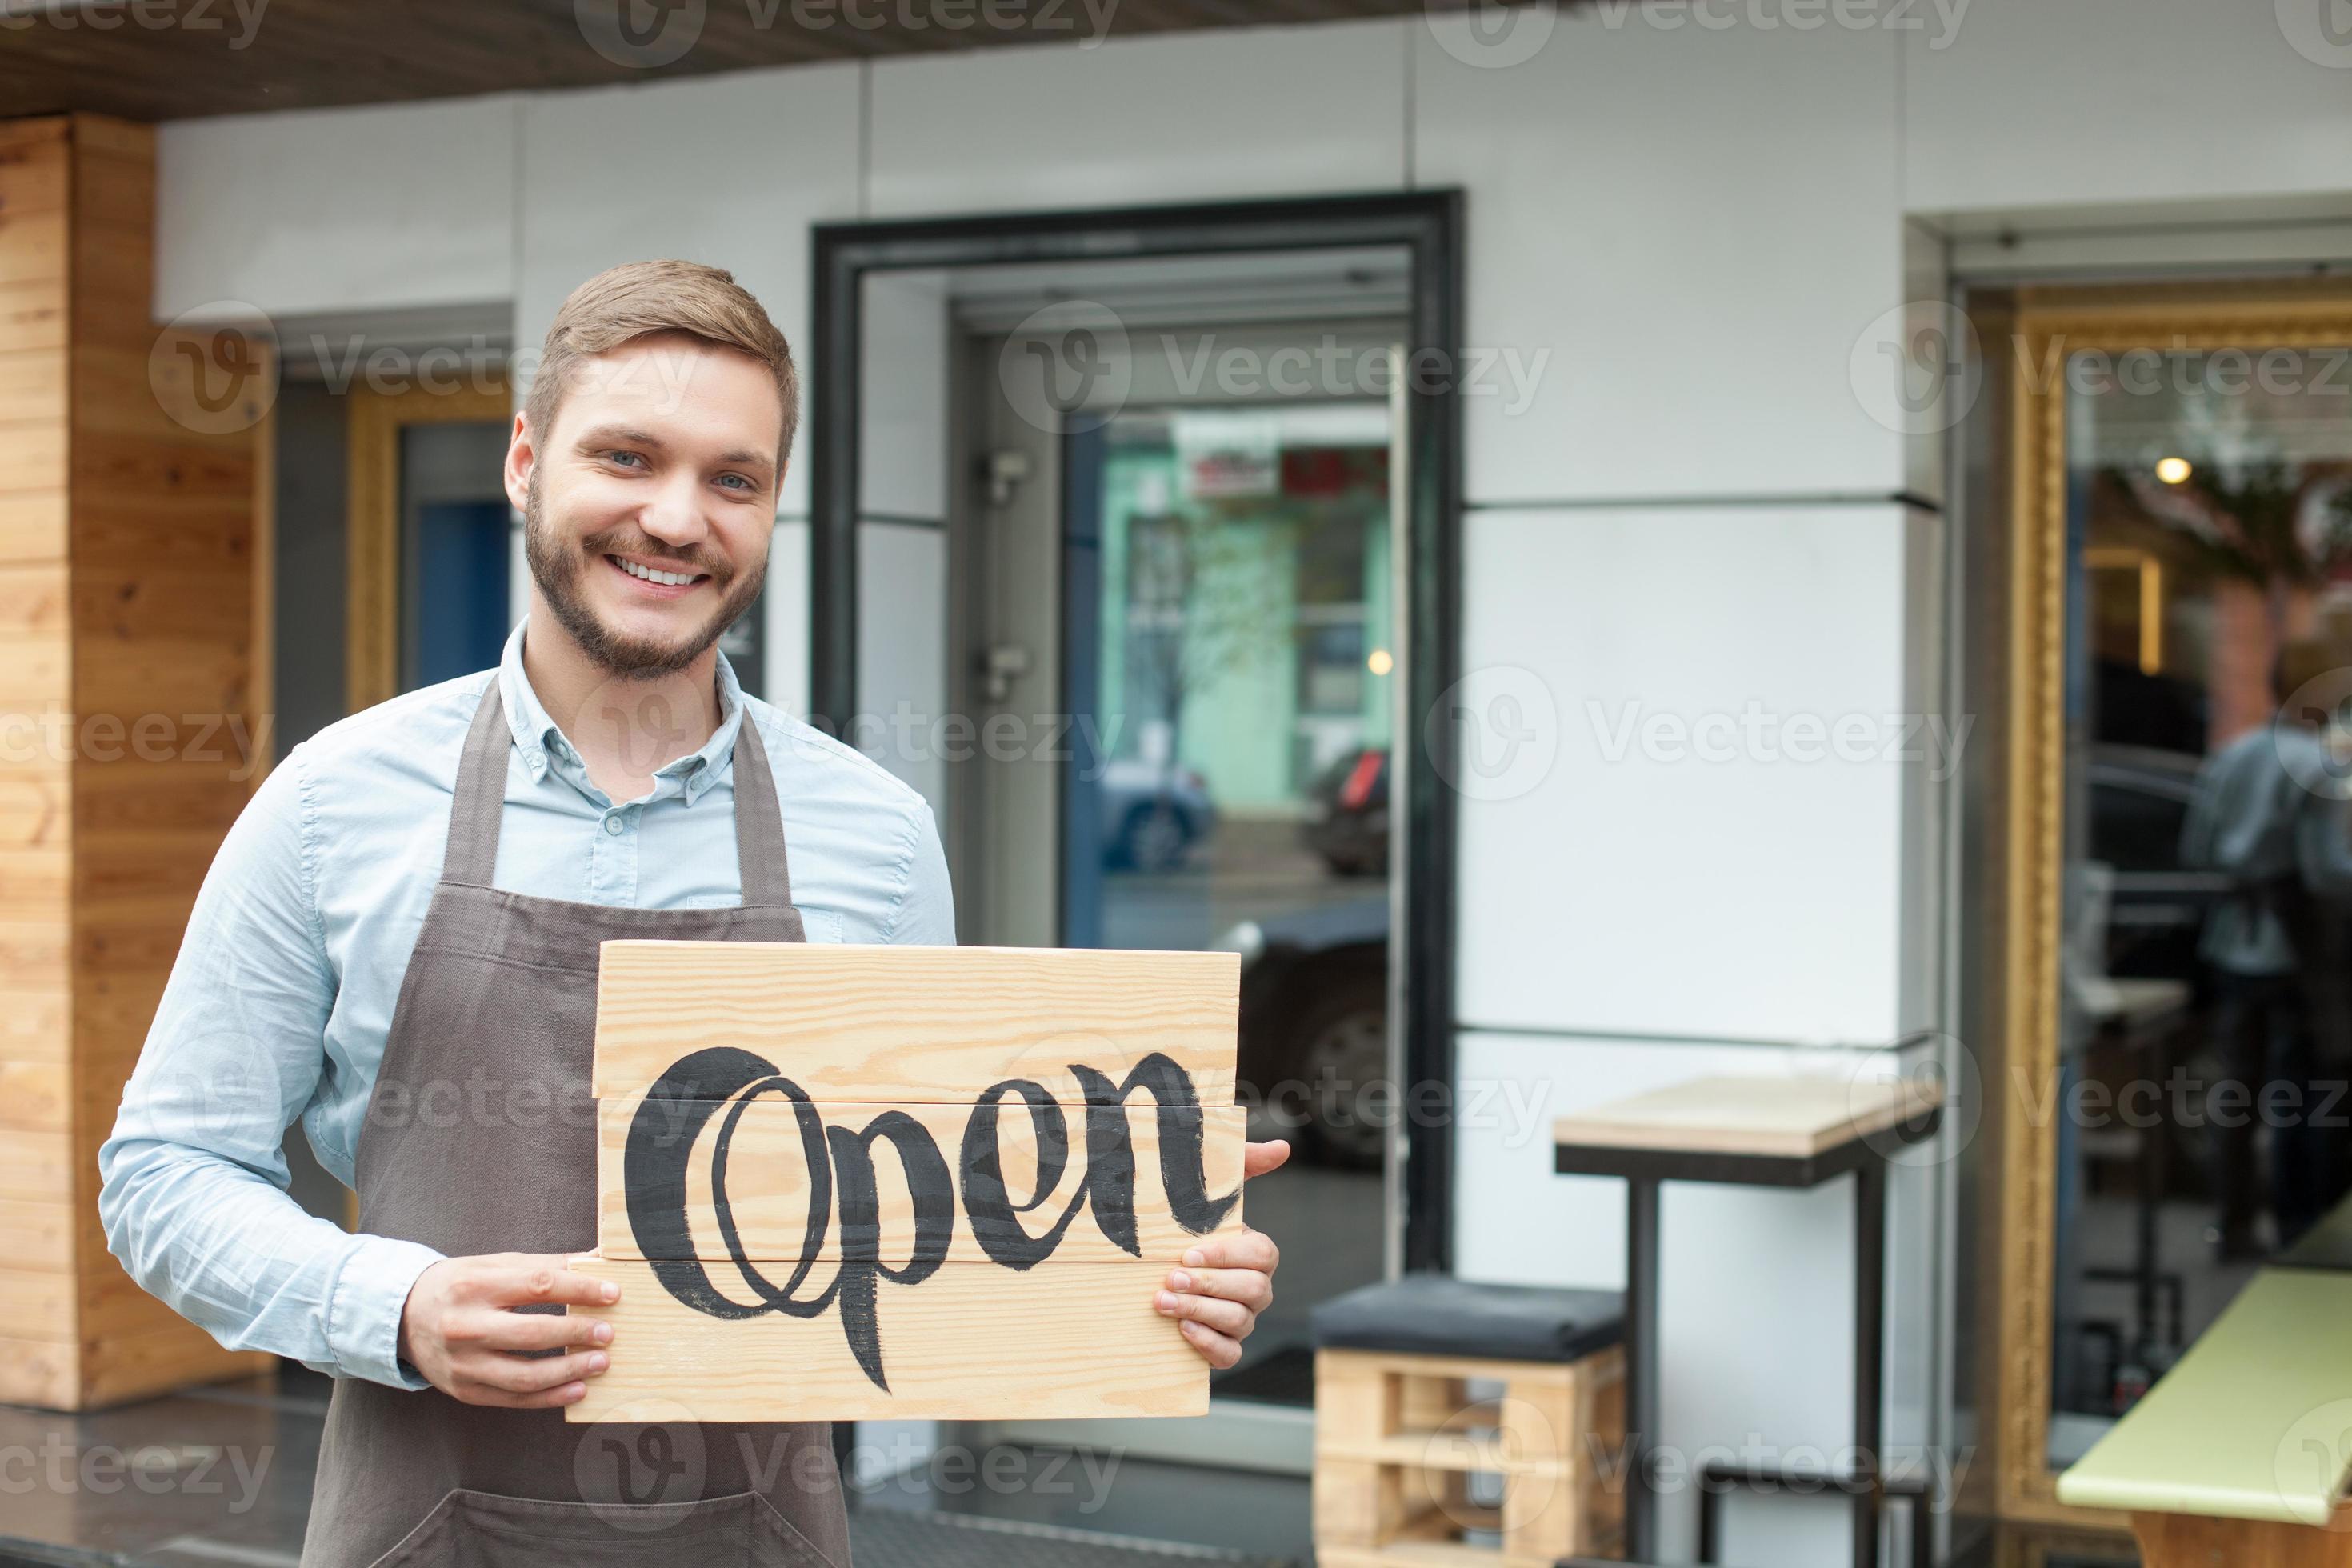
1792 1133
2240 1456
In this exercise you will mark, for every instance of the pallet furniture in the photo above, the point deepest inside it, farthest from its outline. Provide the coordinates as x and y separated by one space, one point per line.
2241 1453
1794 1133
1399 1434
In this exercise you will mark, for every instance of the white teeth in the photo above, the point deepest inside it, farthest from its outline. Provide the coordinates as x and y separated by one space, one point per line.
672 579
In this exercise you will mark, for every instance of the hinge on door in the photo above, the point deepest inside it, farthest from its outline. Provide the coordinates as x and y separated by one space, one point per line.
1003 473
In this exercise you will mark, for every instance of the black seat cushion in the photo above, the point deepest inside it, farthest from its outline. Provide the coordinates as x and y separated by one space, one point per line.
1434 1314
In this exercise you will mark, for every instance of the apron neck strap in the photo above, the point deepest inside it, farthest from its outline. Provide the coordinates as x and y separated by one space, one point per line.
471 858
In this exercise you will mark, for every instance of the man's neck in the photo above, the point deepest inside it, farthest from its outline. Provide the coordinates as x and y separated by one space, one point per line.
627 729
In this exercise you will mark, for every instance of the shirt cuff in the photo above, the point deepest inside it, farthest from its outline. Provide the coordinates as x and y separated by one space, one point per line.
364 1314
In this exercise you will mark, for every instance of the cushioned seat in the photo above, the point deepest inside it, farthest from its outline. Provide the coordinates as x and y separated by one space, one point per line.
1433 1314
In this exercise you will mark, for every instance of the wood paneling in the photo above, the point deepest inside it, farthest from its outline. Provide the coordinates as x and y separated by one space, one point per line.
307 53
126 610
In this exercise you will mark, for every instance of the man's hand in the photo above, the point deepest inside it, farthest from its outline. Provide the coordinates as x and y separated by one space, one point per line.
459 1330
1226 1281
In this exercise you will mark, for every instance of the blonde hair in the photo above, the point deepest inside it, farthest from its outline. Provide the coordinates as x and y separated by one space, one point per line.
639 299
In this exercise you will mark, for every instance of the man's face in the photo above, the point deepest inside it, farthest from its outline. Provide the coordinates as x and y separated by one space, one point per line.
648 501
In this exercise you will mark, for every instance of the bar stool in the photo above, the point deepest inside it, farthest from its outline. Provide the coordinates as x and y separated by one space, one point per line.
1398 1437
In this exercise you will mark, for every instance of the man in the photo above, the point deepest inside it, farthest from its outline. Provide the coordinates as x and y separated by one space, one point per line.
2269 811
397 943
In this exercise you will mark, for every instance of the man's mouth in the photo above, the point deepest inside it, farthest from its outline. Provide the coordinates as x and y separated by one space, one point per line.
656 575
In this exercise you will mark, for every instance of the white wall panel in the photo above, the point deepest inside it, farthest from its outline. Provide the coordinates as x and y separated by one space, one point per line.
1233 114
2113 101
902 631
728 170
784 632
903 427
318 211
1694 857
1696 226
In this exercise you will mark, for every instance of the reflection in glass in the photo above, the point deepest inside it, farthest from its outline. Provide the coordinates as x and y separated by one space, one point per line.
2201 1117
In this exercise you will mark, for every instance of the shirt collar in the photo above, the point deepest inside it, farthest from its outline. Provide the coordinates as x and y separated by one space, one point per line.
545 747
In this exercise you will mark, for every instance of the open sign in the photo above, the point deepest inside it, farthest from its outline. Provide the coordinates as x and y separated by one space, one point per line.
848 1182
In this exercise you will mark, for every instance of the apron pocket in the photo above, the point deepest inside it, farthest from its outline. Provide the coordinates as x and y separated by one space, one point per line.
483 1530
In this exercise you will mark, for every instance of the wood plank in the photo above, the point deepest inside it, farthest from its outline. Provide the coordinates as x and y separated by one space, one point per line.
39 1304
971 1342
33 246
35 177
768 1185
32 385
35 1096
43 1373
38 1233
938 1025
36 1165
2185 1541
177 1355
33 313
33 454
1790 1118
32 526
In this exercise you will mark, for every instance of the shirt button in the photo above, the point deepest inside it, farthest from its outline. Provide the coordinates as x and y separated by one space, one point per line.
612 825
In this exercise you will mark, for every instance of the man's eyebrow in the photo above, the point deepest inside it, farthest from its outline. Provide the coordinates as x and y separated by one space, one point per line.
748 458
619 436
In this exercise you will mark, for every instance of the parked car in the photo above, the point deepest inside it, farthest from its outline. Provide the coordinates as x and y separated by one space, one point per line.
1152 816
1348 813
1315 1028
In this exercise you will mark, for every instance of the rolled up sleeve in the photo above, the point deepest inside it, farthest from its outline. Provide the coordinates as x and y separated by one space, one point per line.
192 1182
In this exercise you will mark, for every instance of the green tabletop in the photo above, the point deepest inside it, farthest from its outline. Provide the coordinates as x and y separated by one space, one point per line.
2255 1422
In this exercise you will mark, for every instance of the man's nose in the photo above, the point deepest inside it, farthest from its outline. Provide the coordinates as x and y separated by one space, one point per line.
675 515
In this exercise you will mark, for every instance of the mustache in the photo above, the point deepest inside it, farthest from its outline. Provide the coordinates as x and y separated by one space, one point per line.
626 541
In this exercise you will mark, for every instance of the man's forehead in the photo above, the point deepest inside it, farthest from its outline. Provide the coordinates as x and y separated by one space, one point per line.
668 377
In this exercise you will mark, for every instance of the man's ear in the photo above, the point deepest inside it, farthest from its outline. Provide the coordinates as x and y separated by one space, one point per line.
522 455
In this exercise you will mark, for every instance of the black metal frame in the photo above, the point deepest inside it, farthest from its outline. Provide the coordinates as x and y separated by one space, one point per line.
1643 1170
1429 226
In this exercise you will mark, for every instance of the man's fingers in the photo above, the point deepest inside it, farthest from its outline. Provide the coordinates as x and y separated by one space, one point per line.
1257 1159
546 1398
503 1331
1218 1350
518 1279
1228 1318
1247 1286
1250 1249
516 1374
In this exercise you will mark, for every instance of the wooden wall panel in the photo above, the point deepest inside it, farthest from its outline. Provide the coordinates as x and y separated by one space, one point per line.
125 593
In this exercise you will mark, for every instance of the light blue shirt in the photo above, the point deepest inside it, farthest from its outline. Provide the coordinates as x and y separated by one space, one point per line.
283 991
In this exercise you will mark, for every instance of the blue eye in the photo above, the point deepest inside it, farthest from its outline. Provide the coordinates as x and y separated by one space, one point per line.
625 456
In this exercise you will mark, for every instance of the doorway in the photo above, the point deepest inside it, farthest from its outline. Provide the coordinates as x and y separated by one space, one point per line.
1133 551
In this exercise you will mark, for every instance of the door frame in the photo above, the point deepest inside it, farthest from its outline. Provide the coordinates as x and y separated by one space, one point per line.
2024 927
373 422
1429 226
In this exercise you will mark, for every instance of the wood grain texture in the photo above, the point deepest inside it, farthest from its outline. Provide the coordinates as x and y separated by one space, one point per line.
915 1024
2186 1541
1784 1117
972 1343
768 1181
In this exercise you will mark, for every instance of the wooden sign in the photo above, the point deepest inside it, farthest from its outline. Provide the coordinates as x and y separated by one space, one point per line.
840 1182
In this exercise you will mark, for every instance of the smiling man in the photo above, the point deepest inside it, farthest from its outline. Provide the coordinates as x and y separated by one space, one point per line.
398 944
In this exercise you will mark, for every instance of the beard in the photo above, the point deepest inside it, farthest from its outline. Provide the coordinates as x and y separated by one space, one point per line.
558 567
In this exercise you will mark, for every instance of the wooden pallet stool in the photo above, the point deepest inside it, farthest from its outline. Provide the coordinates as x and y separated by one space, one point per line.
1398 1437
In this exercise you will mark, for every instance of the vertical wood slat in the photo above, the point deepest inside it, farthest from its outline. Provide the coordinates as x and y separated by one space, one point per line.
126 586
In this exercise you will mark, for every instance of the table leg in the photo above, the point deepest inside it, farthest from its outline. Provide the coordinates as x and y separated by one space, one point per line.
1640 1366
1870 1356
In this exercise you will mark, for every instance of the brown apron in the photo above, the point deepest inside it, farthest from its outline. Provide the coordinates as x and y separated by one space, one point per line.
481 1137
